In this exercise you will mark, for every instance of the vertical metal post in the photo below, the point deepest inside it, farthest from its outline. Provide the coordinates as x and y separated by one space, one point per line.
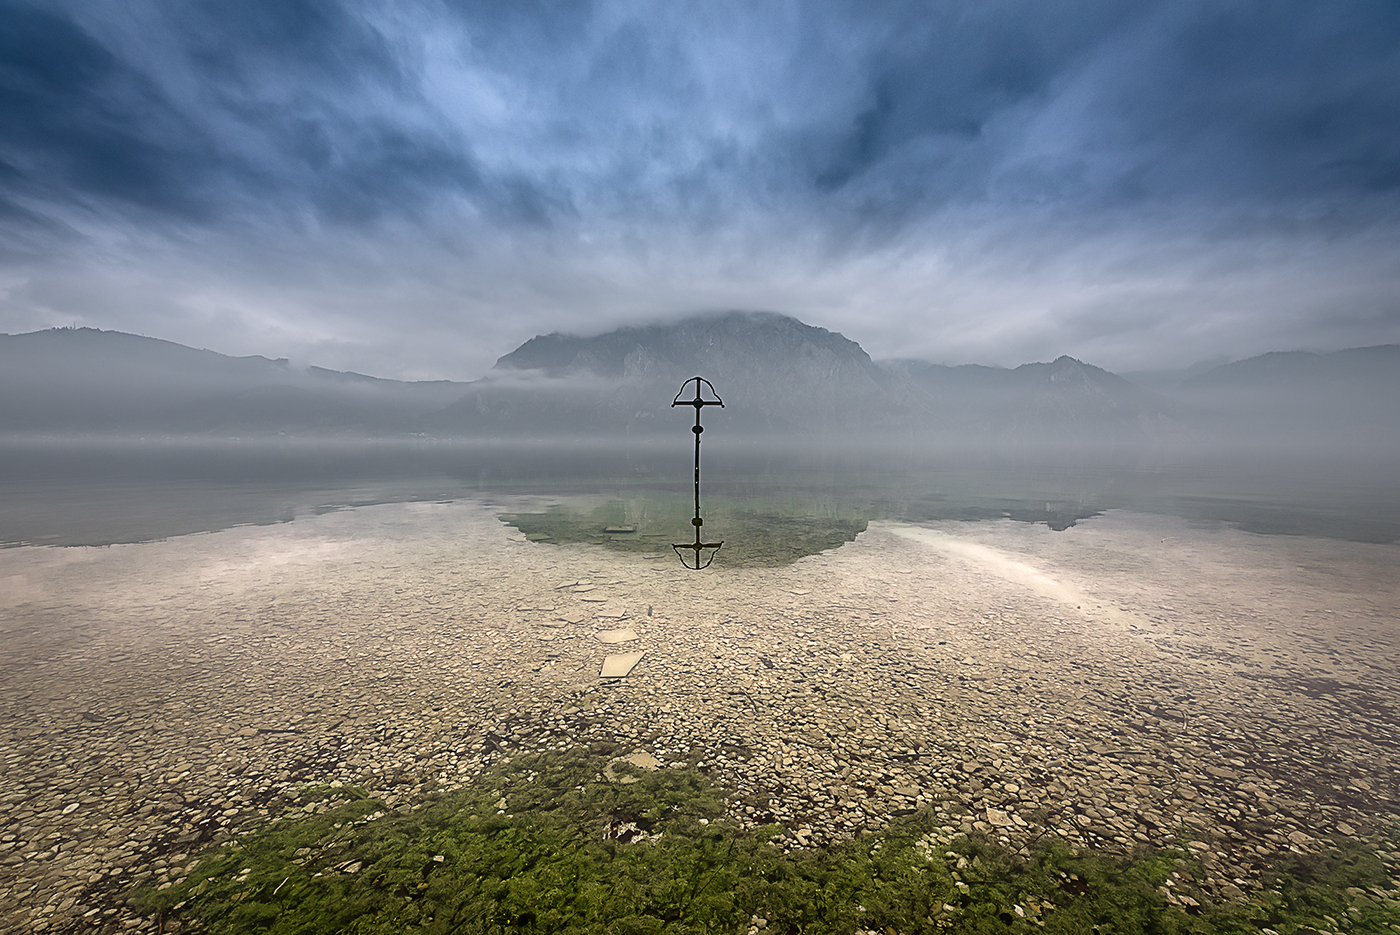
699 402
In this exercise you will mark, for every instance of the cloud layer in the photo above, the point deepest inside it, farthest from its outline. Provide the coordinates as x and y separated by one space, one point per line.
415 188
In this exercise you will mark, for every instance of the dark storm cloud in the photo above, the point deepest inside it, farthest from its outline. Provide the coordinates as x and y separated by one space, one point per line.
80 122
850 111
1236 102
938 76
1059 177
1267 99
114 125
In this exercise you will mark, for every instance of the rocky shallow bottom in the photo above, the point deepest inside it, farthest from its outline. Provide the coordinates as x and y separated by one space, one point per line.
1132 681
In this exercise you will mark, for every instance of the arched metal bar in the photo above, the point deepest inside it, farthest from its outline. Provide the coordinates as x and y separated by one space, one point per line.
697 402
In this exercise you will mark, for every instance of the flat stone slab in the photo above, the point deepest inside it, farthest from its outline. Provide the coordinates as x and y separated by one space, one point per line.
618 665
641 759
616 636
612 613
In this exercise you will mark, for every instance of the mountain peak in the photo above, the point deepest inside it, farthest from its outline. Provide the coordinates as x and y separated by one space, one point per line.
772 371
687 344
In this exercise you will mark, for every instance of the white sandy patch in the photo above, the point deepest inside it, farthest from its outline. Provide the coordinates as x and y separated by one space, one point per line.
997 562
1005 566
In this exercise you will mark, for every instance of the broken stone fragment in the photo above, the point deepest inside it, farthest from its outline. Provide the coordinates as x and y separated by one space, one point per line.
616 636
619 665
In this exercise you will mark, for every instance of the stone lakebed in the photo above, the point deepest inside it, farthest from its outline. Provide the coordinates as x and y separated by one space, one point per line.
1132 681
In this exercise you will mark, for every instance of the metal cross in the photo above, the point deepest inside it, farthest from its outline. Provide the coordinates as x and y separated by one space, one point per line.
697 546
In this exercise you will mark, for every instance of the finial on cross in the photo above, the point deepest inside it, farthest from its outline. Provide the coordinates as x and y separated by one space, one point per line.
698 547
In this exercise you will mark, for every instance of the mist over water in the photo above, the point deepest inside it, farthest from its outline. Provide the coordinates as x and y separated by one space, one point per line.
97 491
114 437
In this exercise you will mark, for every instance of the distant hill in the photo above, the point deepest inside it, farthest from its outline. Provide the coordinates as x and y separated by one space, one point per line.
1345 396
1348 369
86 380
1065 399
1164 381
774 373
777 374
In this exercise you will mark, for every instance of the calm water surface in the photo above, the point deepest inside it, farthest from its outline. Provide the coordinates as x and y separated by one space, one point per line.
768 508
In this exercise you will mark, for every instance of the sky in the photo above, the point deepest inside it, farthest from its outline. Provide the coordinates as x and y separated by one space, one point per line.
412 188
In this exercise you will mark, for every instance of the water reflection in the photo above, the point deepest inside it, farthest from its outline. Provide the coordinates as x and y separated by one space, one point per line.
755 533
769 505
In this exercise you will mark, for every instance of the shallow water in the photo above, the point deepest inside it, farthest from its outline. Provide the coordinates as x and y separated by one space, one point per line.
767 504
1112 681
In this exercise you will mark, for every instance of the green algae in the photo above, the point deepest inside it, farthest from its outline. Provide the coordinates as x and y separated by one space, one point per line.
755 534
543 844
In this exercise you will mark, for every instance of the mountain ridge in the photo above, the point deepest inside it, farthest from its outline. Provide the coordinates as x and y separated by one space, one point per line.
776 374
788 376
1064 391
88 380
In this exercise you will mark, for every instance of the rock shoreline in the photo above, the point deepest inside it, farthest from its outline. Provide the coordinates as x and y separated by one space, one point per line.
1130 683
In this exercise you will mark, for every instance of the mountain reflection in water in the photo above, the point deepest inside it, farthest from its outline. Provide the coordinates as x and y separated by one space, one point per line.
771 506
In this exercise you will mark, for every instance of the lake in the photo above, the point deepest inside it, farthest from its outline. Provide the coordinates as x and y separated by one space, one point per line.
784 501
1115 656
